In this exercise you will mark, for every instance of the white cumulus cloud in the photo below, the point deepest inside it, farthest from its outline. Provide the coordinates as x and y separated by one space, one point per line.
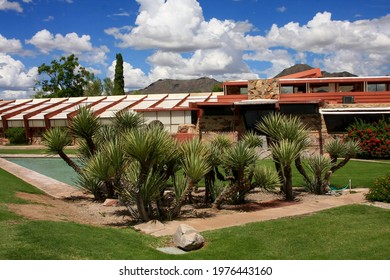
71 43
14 77
360 47
10 5
10 45
133 77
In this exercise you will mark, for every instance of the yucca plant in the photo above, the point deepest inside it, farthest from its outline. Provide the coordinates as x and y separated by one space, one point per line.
152 149
278 127
85 125
239 162
265 178
285 152
107 165
319 167
217 148
337 149
252 140
55 140
127 120
195 165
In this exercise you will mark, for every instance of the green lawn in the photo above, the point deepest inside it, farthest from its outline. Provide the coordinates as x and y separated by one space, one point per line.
349 232
32 151
361 173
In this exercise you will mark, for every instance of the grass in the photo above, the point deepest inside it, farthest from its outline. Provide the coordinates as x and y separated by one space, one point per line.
33 151
350 232
362 173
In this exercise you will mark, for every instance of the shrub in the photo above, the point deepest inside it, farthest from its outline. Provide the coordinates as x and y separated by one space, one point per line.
380 191
374 138
16 135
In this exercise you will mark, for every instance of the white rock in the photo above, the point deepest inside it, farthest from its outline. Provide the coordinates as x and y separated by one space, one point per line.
187 238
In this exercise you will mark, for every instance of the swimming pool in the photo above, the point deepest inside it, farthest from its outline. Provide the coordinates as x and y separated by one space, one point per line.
55 168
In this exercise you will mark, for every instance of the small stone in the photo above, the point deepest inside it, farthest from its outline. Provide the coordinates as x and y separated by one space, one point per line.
187 238
109 202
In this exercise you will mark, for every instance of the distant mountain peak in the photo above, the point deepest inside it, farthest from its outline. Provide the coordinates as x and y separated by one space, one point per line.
303 67
203 84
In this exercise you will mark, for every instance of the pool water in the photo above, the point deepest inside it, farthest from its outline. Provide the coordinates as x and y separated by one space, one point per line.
55 168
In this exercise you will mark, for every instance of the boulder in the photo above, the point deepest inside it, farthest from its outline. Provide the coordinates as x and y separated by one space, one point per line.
187 238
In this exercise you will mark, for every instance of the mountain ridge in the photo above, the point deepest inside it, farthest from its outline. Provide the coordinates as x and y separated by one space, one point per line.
205 84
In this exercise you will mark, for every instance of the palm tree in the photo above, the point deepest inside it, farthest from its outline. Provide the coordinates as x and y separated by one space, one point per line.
56 139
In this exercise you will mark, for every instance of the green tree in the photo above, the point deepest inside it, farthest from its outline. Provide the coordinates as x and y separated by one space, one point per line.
63 78
108 86
119 82
94 87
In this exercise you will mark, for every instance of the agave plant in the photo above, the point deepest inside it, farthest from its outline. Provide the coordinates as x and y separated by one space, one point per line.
56 139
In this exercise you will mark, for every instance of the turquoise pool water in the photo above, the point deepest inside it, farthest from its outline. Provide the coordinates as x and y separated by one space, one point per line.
55 168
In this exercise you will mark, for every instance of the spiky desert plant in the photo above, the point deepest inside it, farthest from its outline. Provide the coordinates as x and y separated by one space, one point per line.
265 178
338 149
239 162
107 165
285 152
278 127
55 140
152 149
251 139
318 167
85 124
195 165
127 120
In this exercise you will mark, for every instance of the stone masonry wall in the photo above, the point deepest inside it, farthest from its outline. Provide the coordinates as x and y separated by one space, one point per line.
263 89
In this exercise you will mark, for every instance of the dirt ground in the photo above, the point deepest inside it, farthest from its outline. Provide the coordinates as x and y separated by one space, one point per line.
85 210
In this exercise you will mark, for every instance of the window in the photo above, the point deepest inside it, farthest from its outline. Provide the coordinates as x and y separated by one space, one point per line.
350 87
319 88
376 87
293 89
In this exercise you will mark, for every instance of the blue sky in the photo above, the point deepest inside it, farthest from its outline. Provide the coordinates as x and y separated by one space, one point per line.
186 39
